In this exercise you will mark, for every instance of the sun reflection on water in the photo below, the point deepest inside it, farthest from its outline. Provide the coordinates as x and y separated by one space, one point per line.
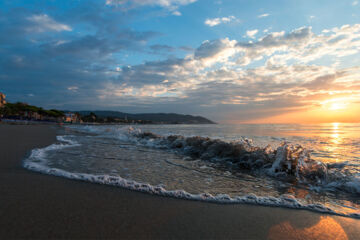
335 136
334 147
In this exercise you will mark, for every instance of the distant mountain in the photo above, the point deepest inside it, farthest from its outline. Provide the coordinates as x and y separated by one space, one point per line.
171 118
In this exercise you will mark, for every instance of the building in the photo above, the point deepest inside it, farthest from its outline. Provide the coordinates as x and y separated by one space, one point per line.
34 116
2 99
72 118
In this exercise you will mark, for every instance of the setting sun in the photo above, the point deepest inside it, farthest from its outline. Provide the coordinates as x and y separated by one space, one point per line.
255 104
335 104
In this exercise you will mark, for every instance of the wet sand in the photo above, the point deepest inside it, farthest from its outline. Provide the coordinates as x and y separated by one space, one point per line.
34 205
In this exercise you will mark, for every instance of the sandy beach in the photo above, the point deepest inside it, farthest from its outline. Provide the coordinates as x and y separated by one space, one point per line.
34 205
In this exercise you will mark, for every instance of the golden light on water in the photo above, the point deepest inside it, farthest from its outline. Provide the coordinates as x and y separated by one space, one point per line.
335 136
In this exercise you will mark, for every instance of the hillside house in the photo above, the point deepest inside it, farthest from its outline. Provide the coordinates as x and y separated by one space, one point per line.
72 118
2 99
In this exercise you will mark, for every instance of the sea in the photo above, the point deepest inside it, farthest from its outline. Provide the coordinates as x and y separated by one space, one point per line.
313 167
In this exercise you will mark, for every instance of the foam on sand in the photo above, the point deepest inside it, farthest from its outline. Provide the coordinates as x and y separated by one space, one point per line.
37 161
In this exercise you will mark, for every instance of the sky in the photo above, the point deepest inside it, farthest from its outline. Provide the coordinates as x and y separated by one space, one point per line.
233 61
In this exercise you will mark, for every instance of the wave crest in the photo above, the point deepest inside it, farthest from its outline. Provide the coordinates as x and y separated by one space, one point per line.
286 161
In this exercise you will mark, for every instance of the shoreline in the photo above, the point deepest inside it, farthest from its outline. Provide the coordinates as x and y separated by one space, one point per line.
40 122
35 205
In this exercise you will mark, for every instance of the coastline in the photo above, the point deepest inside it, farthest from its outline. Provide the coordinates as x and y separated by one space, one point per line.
35 205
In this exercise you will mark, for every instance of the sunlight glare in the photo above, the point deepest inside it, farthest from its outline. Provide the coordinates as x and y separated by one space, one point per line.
335 136
337 106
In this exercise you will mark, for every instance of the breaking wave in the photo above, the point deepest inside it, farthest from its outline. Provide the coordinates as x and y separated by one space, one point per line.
287 163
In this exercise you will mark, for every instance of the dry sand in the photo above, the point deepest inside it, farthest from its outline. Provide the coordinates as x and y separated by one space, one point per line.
34 205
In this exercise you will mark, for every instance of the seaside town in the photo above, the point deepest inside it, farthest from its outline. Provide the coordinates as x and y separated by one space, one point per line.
23 112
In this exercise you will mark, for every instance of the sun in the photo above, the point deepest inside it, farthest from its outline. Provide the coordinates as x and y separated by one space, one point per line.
335 104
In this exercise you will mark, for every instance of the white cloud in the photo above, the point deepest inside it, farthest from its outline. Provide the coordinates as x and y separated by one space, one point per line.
169 4
213 75
354 3
43 23
216 21
216 51
263 15
212 22
251 33
176 13
73 88
258 92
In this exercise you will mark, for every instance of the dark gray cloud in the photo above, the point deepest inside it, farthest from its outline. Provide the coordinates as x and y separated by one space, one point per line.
76 59
149 73
322 82
294 38
46 57
186 48
162 47
211 48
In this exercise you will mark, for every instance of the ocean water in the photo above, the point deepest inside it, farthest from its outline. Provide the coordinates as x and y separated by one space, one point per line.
314 167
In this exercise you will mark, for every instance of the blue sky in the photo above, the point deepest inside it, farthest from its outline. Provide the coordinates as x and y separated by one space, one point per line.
227 60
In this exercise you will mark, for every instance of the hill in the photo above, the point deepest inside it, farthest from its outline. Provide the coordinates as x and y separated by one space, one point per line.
170 118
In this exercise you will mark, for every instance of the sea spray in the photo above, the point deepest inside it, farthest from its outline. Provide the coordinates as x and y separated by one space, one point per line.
192 167
286 161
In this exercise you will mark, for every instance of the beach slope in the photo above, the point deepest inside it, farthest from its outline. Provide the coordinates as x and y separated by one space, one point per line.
34 205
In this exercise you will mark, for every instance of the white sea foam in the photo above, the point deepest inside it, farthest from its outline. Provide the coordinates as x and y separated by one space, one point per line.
286 160
67 139
37 158
37 161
